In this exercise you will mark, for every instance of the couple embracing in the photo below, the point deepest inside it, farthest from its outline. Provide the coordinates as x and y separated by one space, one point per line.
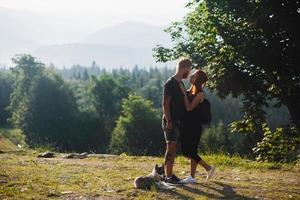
181 120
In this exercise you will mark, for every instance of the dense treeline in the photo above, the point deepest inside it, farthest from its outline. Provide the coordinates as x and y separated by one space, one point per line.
6 82
93 109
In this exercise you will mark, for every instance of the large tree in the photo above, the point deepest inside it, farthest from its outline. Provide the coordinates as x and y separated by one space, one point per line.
41 104
249 48
50 113
138 130
25 71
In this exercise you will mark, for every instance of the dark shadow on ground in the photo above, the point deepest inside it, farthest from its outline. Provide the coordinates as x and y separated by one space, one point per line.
176 194
226 191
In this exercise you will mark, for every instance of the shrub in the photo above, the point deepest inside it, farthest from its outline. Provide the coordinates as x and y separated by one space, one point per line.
282 145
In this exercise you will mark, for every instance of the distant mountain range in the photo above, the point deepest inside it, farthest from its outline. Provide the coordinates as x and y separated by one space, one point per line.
124 44
131 34
109 56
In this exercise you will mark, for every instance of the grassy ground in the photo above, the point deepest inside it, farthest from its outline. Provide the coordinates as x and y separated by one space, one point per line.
24 176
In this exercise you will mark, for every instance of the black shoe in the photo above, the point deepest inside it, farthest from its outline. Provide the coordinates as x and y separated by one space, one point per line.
173 180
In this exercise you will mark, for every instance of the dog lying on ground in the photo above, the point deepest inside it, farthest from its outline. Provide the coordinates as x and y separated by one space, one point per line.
154 179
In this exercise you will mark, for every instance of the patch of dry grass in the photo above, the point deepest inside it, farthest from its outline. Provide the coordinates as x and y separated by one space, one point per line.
6 145
24 176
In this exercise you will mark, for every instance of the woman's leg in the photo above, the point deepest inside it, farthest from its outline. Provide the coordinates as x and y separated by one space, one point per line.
197 136
190 143
193 168
186 151
195 160
204 165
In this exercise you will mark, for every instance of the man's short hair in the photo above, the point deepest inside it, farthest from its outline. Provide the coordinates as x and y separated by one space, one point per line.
184 63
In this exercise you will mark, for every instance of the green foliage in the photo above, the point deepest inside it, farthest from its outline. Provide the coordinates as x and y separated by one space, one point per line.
137 79
53 119
225 110
282 145
89 133
41 104
107 97
215 138
138 130
218 138
6 83
247 48
72 114
50 113
14 135
83 95
26 69
153 91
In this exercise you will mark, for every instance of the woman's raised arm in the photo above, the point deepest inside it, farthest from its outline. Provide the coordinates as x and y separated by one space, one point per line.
191 105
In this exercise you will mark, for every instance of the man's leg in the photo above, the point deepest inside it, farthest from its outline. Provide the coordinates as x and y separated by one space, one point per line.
170 157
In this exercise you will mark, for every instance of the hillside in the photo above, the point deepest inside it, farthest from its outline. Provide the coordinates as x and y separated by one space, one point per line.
24 176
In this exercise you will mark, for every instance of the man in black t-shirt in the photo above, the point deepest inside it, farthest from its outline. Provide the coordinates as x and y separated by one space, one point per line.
173 113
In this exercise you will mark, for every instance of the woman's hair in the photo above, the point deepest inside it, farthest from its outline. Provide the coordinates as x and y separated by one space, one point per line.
201 78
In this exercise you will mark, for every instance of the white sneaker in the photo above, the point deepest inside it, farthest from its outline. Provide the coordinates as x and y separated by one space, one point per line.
210 172
189 179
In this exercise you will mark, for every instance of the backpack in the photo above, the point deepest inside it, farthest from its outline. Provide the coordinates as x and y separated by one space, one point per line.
204 111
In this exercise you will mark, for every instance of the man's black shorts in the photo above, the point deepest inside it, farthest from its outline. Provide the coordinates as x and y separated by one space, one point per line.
172 135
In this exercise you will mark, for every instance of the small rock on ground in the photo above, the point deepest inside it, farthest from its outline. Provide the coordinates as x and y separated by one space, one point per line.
46 154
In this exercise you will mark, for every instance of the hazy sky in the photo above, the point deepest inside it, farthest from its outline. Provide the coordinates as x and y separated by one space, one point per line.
159 12
56 22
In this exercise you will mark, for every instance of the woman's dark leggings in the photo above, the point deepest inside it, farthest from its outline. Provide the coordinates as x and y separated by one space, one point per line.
190 141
